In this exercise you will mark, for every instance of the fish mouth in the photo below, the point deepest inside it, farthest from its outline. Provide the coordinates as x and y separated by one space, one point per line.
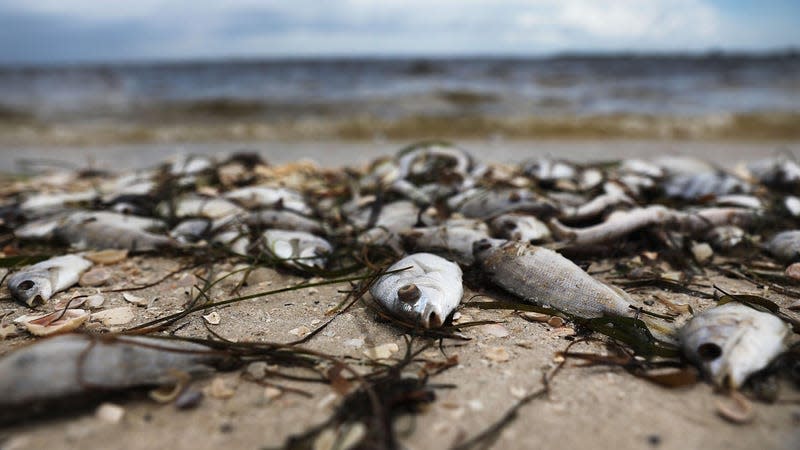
431 317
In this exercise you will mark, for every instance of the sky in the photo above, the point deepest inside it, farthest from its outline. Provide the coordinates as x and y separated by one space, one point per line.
57 31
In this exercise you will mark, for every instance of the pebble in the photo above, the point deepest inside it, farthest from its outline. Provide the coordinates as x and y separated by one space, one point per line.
110 413
793 271
300 331
95 301
260 275
114 316
189 399
355 343
383 351
109 256
535 317
496 354
218 389
135 299
271 393
212 318
257 370
702 252
495 330
95 277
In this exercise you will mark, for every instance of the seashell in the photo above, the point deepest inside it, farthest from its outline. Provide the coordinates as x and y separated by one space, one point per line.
56 322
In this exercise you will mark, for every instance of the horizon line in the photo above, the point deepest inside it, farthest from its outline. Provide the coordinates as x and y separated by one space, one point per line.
786 51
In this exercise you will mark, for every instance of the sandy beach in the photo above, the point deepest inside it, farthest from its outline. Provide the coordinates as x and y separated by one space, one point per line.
586 407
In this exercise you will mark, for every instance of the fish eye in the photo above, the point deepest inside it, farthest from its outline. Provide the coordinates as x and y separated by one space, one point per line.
709 351
481 245
408 293
27 284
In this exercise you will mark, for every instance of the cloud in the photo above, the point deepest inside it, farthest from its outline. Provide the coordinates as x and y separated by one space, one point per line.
52 30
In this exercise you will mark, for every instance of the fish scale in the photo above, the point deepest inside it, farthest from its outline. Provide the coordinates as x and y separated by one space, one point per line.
541 275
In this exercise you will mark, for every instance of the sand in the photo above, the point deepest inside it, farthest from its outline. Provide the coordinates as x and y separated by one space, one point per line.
599 407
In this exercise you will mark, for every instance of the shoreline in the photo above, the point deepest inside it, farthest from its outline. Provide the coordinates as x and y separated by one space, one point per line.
338 153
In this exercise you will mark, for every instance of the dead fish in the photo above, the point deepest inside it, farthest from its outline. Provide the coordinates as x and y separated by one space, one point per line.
520 227
258 197
297 248
37 283
198 206
425 294
785 246
623 223
697 185
732 341
454 239
613 196
782 172
282 219
488 203
74 366
540 275
191 230
38 204
183 165
549 170
87 232
725 237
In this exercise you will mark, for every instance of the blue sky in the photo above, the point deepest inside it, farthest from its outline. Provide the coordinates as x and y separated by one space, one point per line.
33 31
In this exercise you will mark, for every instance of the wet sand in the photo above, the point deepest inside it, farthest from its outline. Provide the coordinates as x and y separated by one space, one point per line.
599 407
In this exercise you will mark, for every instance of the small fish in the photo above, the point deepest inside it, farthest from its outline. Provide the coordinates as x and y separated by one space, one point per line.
73 366
540 275
297 248
257 197
488 203
697 185
37 283
785 246
520 227
282 219
424 294
101 232
191 230
732 341
194 205
454 239
622 223
613 196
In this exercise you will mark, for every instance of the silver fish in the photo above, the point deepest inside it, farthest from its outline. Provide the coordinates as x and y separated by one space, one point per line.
37 283
622 223
297 248
732 341
253 197
785 246
613 196
198 206
424 294
520 227
540 275
191 230
697 185
72 365
483 203
454 239
282 219
94 232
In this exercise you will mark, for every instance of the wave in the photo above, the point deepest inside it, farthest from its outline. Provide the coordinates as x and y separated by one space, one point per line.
760 125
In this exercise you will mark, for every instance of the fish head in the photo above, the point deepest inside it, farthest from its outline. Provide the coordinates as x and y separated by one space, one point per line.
422 304
31 287
484 247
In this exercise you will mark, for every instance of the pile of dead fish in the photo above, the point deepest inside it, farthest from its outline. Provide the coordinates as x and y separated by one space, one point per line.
436 211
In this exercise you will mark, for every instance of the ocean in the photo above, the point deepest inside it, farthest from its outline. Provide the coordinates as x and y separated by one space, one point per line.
639 96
